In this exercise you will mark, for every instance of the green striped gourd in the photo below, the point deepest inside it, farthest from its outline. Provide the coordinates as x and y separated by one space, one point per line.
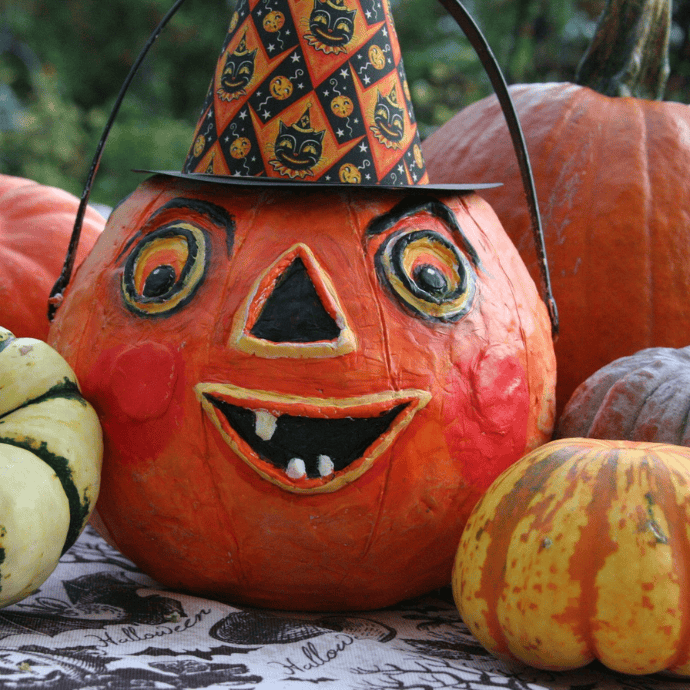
50 459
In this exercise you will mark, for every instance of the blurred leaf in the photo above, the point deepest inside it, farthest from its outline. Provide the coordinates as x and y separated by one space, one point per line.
62 63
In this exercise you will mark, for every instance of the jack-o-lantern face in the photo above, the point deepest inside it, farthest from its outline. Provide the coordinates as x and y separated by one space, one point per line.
274 21
199 144
349 173
342 106
281 88
240 148
376 57
303 394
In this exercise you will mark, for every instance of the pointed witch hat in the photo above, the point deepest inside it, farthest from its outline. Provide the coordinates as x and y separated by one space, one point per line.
313 92
309 90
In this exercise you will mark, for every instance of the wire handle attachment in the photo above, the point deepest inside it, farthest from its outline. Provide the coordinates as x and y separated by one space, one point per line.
57 293
481 47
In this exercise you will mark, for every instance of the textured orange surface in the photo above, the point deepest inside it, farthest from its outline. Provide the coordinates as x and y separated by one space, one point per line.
190 503
610 176
35 227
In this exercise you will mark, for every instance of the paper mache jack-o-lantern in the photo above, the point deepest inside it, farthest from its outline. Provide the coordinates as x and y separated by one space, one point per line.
304 388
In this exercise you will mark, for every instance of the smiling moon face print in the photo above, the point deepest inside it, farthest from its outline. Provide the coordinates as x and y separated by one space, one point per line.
304 392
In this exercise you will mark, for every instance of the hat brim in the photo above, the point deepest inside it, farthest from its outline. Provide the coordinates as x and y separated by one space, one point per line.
317 184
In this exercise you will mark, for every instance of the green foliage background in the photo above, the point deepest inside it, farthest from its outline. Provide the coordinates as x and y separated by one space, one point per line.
62 63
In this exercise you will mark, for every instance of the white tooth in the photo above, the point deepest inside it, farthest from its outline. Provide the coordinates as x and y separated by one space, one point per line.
296 468
326 465
265 424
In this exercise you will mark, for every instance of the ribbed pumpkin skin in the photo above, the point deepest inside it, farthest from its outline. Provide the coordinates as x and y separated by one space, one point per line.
192 504
35 227
610 178
579 552
642 397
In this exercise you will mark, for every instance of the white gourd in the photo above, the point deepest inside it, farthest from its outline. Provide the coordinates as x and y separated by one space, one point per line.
51 450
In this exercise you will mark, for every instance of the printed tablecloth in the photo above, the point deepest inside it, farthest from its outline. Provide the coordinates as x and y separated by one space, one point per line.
99 623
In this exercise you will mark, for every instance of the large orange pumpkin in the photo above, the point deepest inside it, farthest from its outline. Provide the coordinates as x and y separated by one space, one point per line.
304 393
35 227
610 173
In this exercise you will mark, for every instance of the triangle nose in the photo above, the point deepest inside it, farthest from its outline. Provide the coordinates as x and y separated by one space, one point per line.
293 312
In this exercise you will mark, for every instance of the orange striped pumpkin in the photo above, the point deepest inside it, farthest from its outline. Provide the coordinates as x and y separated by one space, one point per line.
581 551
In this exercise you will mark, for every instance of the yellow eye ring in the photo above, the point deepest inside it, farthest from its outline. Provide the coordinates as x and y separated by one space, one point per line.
428 274
165 269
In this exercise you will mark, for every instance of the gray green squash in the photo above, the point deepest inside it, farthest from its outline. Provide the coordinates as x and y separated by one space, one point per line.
641 397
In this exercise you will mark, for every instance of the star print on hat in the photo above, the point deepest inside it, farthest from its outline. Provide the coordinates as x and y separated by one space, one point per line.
309 90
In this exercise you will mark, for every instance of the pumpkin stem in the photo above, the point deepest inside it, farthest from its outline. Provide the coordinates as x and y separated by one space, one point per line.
628 55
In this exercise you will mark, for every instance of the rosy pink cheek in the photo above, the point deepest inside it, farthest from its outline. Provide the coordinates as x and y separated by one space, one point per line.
486 416
501 392
142 381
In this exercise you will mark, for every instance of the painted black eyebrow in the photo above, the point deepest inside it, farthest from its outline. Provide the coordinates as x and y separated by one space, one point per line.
216 214
418 203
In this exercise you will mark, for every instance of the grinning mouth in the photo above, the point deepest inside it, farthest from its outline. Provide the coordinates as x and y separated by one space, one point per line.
329 35
393 134
295 161
308 445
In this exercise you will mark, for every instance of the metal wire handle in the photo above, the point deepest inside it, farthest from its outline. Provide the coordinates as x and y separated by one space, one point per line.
481 47
57 293
498 82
